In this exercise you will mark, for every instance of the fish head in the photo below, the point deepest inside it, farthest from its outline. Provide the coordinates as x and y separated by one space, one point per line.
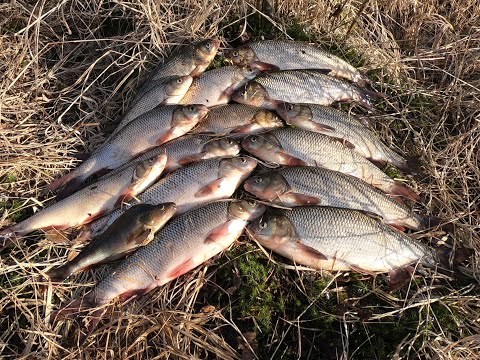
240 75
222 147
268 186
294 113
251 94
267 119
262 143
188 115
242 165
246 209
178 85
204 52
158 215
272 231
242 56
146 172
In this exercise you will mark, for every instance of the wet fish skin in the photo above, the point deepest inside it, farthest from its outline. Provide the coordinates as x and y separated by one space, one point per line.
337 239
237 120
93 201
135 228
190 60
151 129
183 244
295 147
192 186
306 185
188 149
214 87
301 86
167 91
293 55
313 117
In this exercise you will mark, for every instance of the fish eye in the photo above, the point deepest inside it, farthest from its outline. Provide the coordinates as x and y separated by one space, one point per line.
161 207
243 160
252 203
191 108
253 139
290 107
179 80
235 53
262 225
229 141
208 45
258 180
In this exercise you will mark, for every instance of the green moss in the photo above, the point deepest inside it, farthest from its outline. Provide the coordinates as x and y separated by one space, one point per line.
13 208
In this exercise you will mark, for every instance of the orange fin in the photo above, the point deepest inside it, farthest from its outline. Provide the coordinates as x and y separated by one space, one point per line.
181 269
218 233
318 127
399 189
190 159
210 188
169 135
291 160
265 66
309 251
58 183
302 199
397 227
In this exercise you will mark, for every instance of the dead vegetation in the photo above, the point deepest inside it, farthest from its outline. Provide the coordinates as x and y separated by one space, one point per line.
68 69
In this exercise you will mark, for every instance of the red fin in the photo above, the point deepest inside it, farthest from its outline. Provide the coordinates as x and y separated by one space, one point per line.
302 199
169 135
399 189
93 217
265 66
180 270
209 189
290 160
397 227
218 233
398 278
309 251
244 129
190 159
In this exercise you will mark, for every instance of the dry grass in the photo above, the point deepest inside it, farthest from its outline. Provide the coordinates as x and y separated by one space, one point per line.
69 68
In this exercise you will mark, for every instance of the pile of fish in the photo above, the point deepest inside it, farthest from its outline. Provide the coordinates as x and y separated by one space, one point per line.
162 184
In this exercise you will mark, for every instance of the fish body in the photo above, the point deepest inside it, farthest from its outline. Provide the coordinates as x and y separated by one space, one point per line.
162 92
338 124
214 87
306 185
183 244
337 239
135 228
295 147
237 119
192 186
190 60
151 129
95 200
188 149
300 86
293 55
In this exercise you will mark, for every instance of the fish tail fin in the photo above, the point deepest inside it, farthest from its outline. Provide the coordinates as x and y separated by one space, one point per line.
362 80
59 274
398 189
410 165
429 222
365 97
450 258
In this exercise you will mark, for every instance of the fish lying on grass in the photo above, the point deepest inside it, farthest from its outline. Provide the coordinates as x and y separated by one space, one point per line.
237 119
93 201
190 60
216 86
162 92
294 147
277 55
151 129
189 149
186 242
306 185
341 125
135 228
337 239
191 186
301 86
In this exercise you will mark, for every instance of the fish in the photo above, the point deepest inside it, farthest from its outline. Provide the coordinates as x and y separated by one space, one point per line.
214 87
167 91
191 60
237 120
135 228
293 147
188 149
186 242
274 55
191 186
335 239
306 185
267 90
336 123
94 201
162 124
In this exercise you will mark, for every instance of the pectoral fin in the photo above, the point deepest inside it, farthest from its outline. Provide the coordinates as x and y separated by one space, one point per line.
309 251
190 159
291 160
210 188
217 234
302 199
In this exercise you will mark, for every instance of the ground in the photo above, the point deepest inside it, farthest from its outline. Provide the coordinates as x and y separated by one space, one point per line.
68 69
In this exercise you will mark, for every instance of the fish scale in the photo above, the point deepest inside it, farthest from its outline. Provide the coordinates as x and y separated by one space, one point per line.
308 86
344 239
